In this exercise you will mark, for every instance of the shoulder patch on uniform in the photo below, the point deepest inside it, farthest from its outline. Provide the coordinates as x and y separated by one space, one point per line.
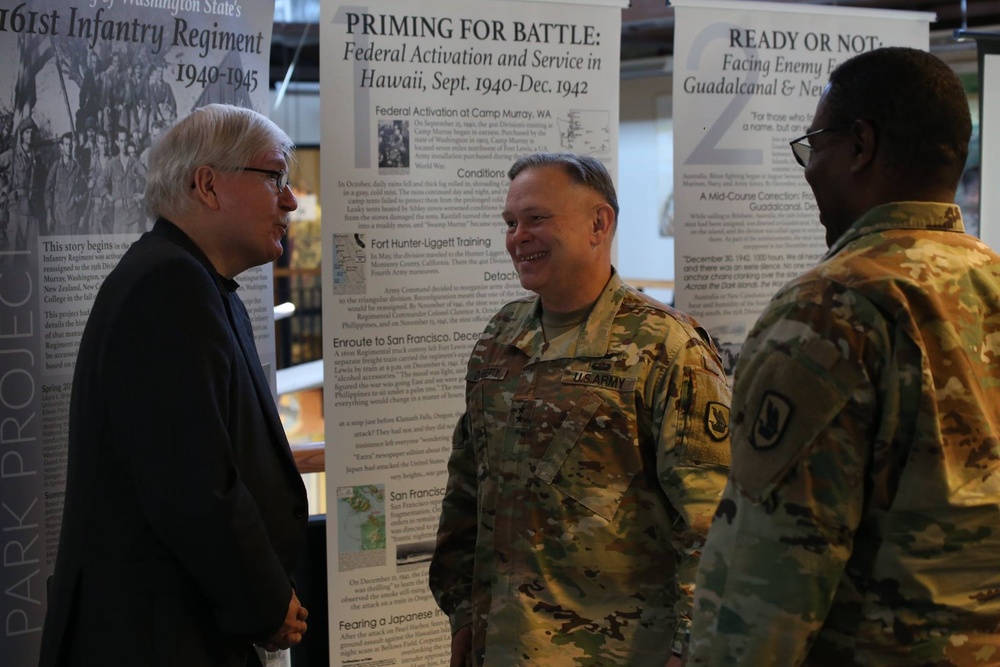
772 419
703 418
717 420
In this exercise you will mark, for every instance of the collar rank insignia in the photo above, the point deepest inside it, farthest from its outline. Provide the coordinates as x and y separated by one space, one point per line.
717 420
772 419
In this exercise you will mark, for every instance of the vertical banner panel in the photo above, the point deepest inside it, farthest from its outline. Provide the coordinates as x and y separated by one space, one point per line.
426 106
747 78
989 132
84 88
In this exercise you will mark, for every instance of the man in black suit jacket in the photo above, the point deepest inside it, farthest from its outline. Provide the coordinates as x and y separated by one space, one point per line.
184 513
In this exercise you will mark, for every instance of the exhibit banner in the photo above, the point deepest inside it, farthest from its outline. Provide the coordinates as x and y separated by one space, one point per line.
426 106
989 128
747 78
85 87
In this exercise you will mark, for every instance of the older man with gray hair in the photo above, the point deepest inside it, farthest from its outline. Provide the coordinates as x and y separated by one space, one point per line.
184 513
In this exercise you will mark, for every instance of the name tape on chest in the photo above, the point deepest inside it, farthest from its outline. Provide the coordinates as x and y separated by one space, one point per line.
490 373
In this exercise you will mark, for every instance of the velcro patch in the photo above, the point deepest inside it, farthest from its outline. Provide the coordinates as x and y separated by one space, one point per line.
771 432
717 420
706 420
519 417
772 419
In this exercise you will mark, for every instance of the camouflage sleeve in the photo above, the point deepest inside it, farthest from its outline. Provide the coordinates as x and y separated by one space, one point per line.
692 403
450 576
784 530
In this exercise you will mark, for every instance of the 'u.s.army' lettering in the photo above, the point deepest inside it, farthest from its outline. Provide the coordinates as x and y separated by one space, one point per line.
606 380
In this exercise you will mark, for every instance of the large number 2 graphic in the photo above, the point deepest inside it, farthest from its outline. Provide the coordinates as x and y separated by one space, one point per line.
707 151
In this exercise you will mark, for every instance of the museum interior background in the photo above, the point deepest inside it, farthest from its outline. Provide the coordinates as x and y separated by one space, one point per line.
645 176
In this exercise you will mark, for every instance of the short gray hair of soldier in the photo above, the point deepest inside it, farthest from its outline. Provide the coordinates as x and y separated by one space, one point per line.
222 136
582 170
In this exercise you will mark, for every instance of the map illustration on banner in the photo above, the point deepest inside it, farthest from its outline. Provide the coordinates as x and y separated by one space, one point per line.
361 526
586 132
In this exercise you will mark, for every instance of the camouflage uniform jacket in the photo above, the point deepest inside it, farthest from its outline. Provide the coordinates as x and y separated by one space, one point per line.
861 523
582 481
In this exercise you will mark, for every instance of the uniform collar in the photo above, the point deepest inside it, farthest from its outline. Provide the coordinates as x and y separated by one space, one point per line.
934 216
595 333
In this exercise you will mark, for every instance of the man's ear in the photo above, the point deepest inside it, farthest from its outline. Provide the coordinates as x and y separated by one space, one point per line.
604 222
864 134
204 182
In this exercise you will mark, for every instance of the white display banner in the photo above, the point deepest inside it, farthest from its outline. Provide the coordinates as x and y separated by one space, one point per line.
747 78
426 106
989 201
84 88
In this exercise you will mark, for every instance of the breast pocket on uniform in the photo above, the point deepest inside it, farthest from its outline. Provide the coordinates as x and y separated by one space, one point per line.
594 455
482 408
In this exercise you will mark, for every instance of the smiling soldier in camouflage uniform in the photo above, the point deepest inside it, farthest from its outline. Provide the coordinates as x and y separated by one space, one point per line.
861 524
592 453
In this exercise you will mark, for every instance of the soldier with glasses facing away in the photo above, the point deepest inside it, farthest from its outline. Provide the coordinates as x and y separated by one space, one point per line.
861 520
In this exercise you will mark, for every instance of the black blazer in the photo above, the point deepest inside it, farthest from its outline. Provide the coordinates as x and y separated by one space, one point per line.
184 513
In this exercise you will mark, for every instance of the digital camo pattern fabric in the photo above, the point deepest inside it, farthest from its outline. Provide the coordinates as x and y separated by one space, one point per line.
582 482
861 524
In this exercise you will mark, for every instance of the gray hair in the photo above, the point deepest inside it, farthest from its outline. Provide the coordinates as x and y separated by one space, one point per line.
582 170
219 135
